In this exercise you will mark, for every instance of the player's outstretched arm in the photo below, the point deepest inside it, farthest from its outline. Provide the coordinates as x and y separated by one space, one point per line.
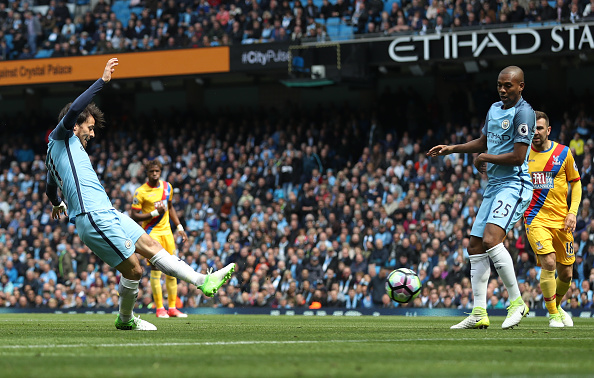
440 150
86 97
476 145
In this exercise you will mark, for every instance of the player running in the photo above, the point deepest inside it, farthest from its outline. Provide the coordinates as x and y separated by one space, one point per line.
506 135
549 225
111 235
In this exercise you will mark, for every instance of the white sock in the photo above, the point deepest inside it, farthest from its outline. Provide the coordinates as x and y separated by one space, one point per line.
480 270
172 266
505 268
128 293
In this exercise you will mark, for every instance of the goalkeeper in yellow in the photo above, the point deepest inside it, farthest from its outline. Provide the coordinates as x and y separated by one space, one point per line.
152 207
549 223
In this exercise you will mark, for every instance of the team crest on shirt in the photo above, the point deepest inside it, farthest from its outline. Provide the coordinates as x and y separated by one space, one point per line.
543 180
556 160
505 124
128 244
538 245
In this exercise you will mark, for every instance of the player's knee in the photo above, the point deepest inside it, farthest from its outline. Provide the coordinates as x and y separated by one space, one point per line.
565 275
475 250
136 273
154 245
548 261
147 246
490 242
475 247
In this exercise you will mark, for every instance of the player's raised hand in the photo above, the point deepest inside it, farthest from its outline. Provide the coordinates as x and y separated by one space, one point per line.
439 150
109 68
570 222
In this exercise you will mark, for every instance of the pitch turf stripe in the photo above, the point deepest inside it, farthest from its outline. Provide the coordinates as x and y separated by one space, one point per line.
258 342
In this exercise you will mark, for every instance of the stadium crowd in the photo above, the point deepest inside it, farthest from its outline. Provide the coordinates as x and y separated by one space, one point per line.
315 207
27 31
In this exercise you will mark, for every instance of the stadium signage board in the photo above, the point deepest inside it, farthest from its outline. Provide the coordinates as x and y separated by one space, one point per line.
259 56
132 65
486 43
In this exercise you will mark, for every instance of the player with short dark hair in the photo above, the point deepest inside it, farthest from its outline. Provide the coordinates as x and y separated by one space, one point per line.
152 206
506 135
549 224
111 235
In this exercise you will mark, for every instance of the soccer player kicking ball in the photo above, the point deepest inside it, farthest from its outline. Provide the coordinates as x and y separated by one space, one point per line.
549 225
506 135
152 206
111 235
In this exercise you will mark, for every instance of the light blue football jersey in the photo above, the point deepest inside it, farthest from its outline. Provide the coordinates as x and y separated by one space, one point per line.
70 168
503 128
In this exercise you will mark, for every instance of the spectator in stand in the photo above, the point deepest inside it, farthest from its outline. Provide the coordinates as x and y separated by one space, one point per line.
561 11
342 213
589 10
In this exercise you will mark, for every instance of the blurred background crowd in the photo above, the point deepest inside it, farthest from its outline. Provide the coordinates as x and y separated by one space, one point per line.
312 205
57 28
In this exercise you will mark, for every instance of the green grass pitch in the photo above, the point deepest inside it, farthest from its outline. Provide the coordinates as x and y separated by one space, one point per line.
48 345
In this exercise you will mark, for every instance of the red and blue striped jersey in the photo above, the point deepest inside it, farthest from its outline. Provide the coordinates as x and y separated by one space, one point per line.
550 172
145 199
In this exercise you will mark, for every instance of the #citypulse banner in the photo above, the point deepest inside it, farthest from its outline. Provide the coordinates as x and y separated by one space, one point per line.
260 56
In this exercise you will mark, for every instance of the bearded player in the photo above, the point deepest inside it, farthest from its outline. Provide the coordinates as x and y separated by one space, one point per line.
549 224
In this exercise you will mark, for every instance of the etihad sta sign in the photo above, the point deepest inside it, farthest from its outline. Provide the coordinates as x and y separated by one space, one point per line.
493 42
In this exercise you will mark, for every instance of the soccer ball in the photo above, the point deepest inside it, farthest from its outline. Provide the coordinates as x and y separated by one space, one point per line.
403 285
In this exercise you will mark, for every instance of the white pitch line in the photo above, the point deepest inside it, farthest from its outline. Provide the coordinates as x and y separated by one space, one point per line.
257 342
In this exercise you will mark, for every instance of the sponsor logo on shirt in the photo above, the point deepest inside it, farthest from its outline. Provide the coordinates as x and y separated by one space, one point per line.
543 180
497 138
